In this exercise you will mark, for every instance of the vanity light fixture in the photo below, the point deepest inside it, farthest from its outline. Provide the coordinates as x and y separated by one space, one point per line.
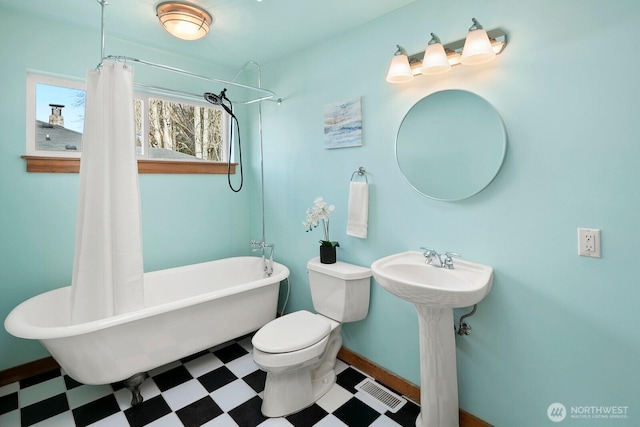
183 20
435 59
399 69
478 47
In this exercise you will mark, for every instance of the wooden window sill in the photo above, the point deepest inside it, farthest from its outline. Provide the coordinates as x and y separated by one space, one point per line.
72 165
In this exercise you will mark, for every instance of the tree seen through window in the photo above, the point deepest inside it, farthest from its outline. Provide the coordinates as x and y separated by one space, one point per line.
180 130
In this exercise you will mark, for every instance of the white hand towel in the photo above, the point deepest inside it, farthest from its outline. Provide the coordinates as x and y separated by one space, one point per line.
358 215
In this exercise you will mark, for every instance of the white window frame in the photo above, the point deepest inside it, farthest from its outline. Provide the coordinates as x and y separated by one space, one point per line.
35 78
144 97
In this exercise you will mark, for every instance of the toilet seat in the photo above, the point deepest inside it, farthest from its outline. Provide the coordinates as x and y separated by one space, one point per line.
291 332
292 360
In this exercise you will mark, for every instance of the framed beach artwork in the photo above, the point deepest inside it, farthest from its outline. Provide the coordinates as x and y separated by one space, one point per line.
343 124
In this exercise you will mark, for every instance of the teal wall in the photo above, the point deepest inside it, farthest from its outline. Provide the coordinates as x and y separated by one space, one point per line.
185 218
556 327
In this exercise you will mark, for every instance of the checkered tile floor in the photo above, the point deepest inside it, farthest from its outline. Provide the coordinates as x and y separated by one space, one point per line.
218 387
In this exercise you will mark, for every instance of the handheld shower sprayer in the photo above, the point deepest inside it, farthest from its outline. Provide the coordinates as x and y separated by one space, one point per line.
220 100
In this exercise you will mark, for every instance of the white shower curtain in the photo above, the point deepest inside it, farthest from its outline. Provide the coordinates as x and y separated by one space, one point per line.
107 268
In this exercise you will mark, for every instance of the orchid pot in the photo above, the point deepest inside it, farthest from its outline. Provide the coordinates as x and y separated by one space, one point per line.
328 251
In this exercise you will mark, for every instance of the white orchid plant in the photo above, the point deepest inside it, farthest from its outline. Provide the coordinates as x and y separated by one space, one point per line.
320 212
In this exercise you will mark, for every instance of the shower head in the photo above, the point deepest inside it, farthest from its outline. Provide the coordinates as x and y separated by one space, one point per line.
214 99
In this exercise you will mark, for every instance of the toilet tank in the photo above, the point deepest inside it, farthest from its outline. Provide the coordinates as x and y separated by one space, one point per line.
339 291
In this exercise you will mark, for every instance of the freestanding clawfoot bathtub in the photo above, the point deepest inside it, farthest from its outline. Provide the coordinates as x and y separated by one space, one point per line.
188 309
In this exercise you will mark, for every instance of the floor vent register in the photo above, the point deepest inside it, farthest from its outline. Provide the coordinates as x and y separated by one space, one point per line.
388 399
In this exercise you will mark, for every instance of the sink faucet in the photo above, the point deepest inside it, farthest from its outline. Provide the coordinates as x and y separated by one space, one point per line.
435 259
432 257
448 262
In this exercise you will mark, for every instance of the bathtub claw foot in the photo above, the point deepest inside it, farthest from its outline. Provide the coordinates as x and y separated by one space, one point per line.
133 385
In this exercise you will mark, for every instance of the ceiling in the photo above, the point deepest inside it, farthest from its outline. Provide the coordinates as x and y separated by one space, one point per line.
243 30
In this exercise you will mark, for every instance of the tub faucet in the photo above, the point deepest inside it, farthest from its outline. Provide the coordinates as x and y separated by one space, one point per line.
437 260
267 264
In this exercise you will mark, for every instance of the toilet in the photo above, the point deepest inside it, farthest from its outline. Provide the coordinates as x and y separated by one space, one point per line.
298 351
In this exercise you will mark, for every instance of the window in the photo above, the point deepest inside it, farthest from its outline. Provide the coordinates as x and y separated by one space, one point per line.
55 116
167 129
180 130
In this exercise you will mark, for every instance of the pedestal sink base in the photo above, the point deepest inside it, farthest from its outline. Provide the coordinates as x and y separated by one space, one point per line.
435 292
438 374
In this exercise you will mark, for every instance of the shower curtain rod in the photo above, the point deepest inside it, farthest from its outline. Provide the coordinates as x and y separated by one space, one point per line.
267 94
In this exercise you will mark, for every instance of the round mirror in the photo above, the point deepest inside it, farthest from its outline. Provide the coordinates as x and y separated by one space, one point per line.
451 144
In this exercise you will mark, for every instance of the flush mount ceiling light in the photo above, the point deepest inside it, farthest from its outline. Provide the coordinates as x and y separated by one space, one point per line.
185 21
478 47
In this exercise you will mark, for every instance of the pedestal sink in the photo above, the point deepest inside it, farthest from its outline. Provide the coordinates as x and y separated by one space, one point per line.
435 292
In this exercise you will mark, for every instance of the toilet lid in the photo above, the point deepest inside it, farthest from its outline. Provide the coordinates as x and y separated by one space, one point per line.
291 332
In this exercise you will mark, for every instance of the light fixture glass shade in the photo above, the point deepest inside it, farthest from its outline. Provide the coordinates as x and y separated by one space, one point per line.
435 60
399 69
477 48
184 21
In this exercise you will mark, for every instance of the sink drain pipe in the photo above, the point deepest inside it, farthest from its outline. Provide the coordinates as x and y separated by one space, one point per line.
463 327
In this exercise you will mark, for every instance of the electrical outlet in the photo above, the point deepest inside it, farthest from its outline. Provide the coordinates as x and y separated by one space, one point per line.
589 242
